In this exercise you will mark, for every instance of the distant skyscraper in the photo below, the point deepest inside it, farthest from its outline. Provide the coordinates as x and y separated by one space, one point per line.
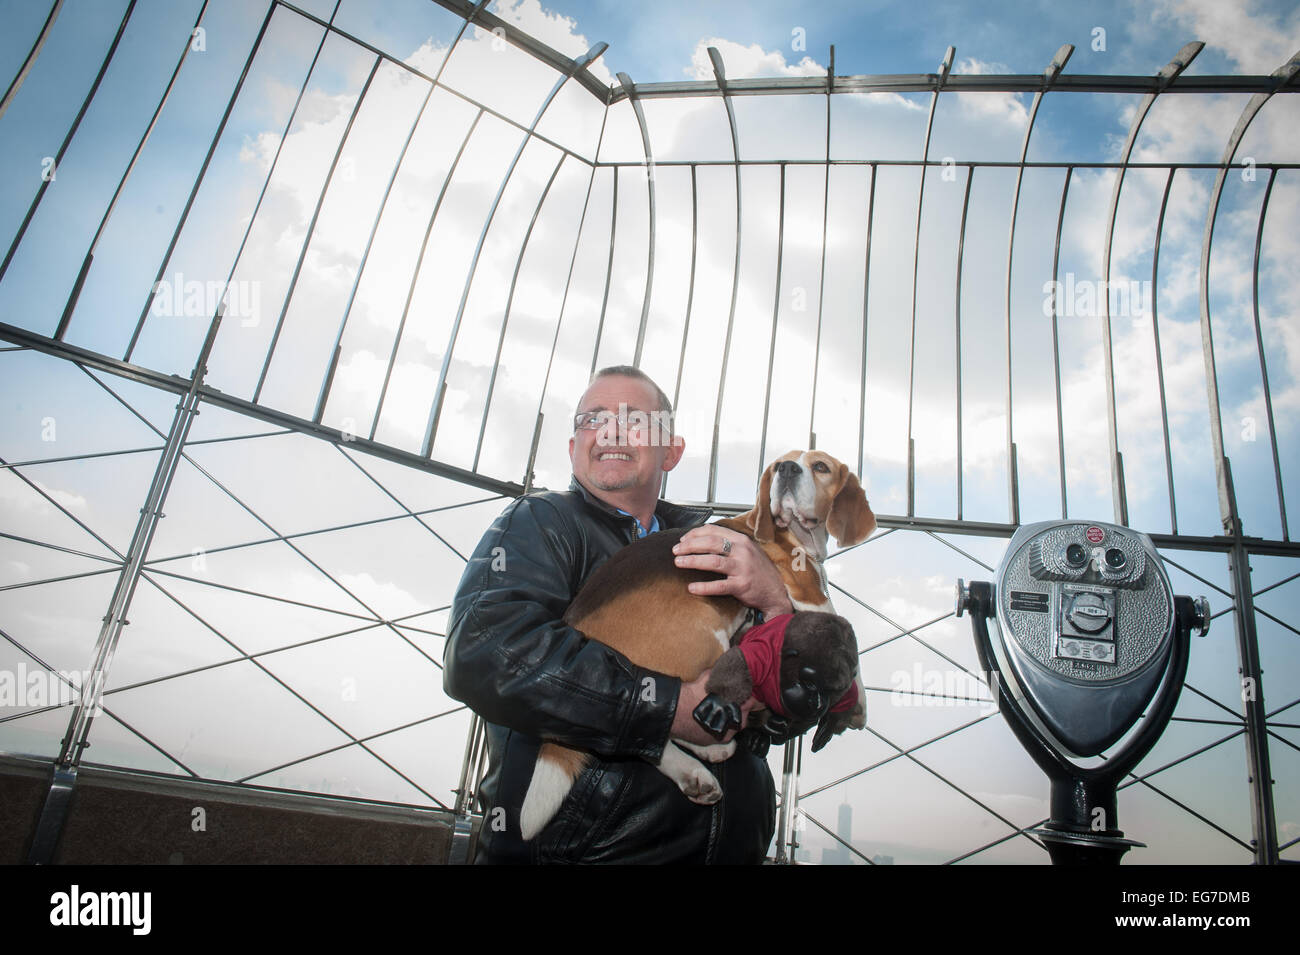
840 855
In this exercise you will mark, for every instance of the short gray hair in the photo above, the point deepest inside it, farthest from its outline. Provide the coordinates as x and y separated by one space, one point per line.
631 371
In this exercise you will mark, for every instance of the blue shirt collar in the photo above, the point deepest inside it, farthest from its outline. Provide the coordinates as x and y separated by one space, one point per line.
640 530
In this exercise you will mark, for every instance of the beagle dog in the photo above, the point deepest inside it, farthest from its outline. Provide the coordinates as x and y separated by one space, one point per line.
637 602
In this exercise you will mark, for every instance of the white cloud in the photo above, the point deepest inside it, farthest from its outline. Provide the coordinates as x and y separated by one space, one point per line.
387 598
1179 128
428 57
743 62
15 495
406 402
1254 40
553 29
1004 107
16 570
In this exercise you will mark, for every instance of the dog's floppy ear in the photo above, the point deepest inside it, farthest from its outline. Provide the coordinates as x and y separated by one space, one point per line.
850 520
759 520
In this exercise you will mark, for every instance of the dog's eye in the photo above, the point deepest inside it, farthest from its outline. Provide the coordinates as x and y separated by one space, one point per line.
821 466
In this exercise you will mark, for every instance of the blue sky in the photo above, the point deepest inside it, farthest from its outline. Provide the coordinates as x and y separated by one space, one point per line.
655 41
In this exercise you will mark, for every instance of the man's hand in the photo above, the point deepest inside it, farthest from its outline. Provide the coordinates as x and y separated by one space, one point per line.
751 577
684 724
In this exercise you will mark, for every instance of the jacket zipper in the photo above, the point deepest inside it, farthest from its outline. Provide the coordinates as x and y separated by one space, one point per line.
715 817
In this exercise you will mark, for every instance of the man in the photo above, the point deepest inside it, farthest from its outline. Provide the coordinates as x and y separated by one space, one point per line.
512 659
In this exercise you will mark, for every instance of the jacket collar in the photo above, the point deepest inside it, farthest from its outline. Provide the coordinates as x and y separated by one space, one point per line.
670 515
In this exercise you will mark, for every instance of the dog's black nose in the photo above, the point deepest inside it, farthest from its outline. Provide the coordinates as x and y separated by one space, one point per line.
788 469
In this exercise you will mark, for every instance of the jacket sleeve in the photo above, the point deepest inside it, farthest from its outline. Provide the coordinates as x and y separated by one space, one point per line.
512 659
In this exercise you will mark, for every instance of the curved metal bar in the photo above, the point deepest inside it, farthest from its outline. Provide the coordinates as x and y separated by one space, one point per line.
690 302
392 358
198 180
961 247
629 88
1056 338
505 320
1263 364
583 77
1227 502
311 229
690 284
866 295
1263 818
440 391
67 140
776 310
821 281
274 159
1166 76
568 281
720 73
514 35
32 54
1160 365
469 18
337 351
609 272
415 274
1050 76
121 183
944 68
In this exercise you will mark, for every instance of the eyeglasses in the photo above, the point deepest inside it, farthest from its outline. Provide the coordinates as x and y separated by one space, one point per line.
626 420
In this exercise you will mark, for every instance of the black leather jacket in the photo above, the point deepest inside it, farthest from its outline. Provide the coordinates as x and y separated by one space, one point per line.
511 658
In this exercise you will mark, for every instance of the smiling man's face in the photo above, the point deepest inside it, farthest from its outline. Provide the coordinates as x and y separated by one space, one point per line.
601 462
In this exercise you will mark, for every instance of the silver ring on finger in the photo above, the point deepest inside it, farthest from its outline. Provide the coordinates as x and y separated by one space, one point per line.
726 548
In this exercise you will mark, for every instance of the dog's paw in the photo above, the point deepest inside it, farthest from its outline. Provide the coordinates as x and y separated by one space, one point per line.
700 786
695 782
858 717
